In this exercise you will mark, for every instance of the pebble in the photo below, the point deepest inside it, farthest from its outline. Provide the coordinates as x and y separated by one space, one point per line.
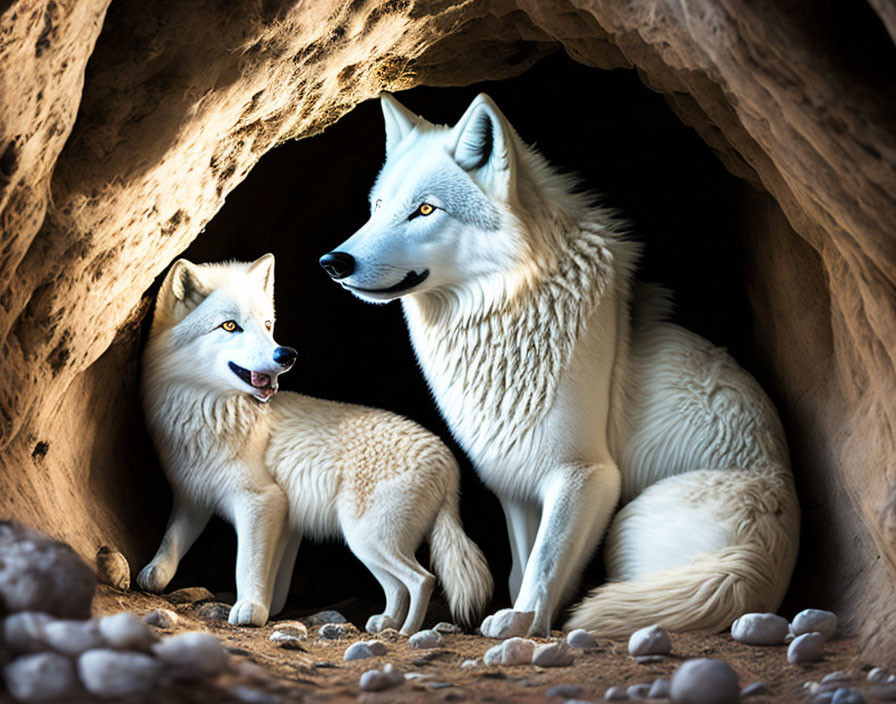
377 680
660 689
190 595
848 696
73 637
652 640
760 629
192 655
637 691
808 647
297 629
513 651
448 629
841 676
887 692
253 696
289 638
615 694
552 655
648 659
24 632
877 675
581 639
161 618
705 681
469 663
335 631
814 621
567 691
214 611
323 617
423 640
389 634
364 649
507 623
112 673
127 631
112 568
41 676
754 690
38 573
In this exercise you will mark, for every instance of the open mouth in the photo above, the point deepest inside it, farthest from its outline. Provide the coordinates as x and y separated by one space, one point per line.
410 280
261 382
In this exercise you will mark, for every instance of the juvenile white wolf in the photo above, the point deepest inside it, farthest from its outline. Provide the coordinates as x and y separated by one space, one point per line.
282 466
567 388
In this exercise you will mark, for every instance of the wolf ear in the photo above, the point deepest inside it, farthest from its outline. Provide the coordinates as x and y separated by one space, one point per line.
483 142
262 270
186 284
399 120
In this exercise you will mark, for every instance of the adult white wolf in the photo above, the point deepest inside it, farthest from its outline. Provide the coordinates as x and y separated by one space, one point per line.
287 465
567 388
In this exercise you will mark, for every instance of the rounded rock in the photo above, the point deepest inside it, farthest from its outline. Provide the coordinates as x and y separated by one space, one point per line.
322 617
705 681
637 691
567 691
190 595
507 623
760 629
580 639
214 611
24 632
651 640
808 647
615 694
192 655
848 696
127 631
814 621
41 676
378 680
877 675
552 655
364 649
424 640
161 618
755 689
289 637
73 637
335 631
660 689
112 568
447 629
513 651
112 673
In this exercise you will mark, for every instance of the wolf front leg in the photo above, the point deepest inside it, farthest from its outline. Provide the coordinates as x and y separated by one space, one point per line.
260 521
522 527
185 524
578 499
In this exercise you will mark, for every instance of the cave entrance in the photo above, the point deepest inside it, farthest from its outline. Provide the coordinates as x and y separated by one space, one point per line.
305 197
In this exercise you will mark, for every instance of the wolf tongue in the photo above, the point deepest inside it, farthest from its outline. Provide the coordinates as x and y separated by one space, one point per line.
260 380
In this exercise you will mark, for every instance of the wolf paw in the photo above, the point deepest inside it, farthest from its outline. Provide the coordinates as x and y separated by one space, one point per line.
248 613
153 578
380 622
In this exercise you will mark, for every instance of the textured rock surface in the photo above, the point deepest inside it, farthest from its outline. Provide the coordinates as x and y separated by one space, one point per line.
181 100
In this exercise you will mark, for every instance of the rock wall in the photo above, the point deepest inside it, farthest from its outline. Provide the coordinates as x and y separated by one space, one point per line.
175 102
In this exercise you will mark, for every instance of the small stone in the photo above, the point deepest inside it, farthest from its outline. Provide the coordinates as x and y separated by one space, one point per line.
760 629
652 640
440 685
214 611
814 621
289 637
705 681
192 655
567 691
252 696
364 649
127 631
877 675
841 676
466 664
24 632
580 639
754 690
112 568
848 696
808 647
41 676
336 631
637 691
552 655
891 678
323 617
448 629
886 692
112 673
648 659
423 640
38 573
513 651
660 689
389 634
507 623
161 618
615 694
73 637
377 680
296 629
190 595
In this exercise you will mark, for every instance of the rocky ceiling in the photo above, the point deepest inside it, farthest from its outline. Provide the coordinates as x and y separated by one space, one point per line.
124 126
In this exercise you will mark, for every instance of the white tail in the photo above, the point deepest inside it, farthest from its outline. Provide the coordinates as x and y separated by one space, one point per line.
460 565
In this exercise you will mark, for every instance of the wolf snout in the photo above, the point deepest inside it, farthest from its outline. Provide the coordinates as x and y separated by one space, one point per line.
338 264
285 356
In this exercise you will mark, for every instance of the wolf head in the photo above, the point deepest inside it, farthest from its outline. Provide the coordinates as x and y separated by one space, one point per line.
212 329
450 205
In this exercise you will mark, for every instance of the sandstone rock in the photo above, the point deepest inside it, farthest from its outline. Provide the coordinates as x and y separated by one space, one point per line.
336 631
705 681
808 647
507 623
127 631
424 640
513 651
112 673
41 676
192 655
161 618
190 595
760 629
552 655
814 621
651 640
213 611
378 680
112 568
290 636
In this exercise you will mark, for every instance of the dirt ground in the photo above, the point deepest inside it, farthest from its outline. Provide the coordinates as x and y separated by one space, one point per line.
317 673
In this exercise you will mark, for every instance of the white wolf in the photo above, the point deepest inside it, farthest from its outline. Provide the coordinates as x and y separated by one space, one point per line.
282 466
568 390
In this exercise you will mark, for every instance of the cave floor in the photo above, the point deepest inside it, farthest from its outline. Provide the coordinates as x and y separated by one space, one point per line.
317 673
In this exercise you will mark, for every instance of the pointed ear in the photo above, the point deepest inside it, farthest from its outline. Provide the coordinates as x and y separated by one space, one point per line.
184 284
484 142
399 120
262 270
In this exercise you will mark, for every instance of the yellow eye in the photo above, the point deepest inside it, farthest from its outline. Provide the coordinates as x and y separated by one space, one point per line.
425 209
230 326
268 325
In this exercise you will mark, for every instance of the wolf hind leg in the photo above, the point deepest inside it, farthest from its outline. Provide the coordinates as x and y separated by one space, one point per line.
379 556
187 521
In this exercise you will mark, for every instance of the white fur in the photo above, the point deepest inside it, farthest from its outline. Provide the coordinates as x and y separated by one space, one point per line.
564 400
294 466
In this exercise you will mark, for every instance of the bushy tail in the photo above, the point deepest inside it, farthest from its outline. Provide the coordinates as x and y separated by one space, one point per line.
708 593
460 565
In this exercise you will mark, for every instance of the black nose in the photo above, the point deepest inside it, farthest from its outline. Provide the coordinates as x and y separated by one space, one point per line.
338 264
285 356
